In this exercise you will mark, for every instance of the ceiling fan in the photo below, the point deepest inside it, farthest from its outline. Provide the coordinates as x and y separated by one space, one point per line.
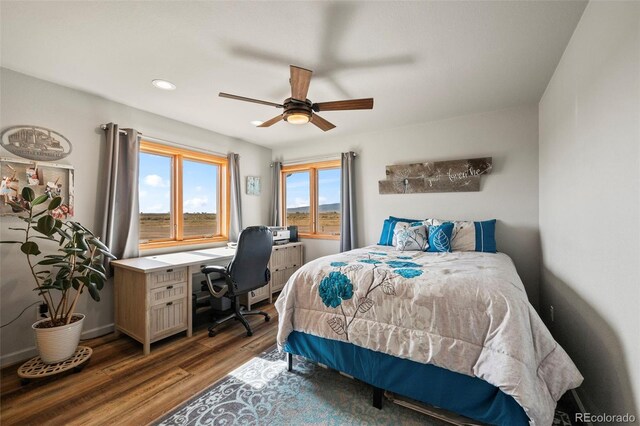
300 110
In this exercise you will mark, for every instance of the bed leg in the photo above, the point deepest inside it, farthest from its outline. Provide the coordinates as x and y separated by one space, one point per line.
377 397
289 362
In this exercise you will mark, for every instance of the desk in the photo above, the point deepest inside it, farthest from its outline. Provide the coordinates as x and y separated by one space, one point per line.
152 294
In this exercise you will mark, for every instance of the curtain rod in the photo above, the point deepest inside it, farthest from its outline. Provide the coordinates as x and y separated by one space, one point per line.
166 142
312 159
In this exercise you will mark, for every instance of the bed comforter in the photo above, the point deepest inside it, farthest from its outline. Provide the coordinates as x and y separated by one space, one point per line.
464 311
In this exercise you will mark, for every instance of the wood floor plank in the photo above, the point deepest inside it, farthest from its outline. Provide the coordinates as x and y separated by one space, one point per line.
121 386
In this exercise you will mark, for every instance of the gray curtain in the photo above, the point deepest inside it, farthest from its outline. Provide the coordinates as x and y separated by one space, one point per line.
121 213
275 218
347 202
235 222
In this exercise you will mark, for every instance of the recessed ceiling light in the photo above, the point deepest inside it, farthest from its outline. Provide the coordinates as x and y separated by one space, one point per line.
163 84
257 122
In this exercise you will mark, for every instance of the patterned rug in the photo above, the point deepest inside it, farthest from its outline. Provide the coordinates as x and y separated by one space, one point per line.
263 392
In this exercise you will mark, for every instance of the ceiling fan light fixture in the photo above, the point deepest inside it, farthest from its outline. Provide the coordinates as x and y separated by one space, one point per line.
298 118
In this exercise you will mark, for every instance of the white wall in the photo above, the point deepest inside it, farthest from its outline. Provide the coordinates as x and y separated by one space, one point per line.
590 204
509 193
77 115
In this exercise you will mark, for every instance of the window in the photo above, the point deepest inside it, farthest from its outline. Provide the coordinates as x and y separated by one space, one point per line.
311 198
183 196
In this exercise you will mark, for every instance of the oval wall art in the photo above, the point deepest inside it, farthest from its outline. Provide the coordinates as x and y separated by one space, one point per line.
35 143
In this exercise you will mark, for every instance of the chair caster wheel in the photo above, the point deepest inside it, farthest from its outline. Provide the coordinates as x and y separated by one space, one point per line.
249 333
267 318
212 333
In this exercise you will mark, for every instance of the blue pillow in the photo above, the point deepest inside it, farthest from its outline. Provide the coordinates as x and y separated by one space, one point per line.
440 237
399 219
386 236
486 236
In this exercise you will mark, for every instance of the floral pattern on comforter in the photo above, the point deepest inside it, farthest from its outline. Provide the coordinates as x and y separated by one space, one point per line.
464 311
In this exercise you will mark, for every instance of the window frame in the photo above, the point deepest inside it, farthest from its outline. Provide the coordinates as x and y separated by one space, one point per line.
313 169
176 210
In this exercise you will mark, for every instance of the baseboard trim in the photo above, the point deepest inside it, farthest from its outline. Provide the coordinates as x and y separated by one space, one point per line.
30 352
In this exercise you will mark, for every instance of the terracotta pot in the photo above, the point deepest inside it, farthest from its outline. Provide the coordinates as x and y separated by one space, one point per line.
57 344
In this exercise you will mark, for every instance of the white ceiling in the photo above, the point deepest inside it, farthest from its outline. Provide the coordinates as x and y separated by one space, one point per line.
420 60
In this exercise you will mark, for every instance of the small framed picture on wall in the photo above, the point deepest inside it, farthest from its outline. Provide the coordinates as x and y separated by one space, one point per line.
253 185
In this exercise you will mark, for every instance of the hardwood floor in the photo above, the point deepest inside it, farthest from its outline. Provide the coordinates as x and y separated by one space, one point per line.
120 386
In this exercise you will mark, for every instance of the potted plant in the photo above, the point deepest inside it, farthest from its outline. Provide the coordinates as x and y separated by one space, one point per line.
61 276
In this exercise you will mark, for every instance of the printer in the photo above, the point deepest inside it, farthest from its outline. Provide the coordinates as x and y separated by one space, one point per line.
281 235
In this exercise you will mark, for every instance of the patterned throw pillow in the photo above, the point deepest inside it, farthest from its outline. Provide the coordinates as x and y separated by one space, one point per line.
412 238
440 237
472 236
389 226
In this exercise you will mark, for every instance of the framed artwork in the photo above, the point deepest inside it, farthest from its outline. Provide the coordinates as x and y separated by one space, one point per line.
253 185
50 179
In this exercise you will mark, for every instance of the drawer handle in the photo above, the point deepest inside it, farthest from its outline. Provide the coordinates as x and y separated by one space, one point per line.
169 270
169 287
253 294
169 303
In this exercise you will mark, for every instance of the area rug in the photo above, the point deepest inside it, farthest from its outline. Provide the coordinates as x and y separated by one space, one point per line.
263 392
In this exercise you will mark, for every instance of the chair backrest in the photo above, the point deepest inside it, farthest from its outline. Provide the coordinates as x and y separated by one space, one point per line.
248 269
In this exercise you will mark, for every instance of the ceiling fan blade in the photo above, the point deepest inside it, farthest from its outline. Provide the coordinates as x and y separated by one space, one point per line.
300 79
271 122
323 124
366 103
256 101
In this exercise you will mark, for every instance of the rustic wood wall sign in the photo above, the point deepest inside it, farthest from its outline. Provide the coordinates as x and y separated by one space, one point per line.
435 176
35 143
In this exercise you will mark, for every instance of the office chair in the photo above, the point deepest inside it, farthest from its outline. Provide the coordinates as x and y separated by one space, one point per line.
247 271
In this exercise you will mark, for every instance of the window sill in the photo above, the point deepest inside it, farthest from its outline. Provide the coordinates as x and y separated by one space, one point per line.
173 243
318 237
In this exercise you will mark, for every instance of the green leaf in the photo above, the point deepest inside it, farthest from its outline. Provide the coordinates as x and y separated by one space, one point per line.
56 262
30 248
55 203
16 206
62 272
93 291
49 238
46 225
83 267
80 241
39 200
96 242
108 254
28 194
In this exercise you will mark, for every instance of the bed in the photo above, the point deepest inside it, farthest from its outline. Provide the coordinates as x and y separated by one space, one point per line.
454 330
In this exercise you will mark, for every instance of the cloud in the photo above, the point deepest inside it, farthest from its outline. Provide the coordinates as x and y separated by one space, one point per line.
198 188
156 208
195 204
297 202
155 180
142 193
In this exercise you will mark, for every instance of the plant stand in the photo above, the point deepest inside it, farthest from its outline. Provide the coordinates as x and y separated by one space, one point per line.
36 369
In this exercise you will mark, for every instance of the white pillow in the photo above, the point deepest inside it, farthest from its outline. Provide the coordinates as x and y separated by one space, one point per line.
411 238
463 237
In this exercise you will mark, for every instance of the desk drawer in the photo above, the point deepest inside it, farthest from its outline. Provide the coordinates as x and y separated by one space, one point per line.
168 316
167 292
167 277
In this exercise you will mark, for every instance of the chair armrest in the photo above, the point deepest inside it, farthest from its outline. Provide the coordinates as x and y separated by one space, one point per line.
217 269
207 269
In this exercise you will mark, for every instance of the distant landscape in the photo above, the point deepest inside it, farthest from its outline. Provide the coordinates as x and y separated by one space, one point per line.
328 218
157 226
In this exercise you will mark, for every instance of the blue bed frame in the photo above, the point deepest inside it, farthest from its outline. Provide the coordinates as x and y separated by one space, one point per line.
469 396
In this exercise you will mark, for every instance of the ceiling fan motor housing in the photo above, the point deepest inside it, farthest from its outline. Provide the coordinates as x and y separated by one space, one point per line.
296 107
